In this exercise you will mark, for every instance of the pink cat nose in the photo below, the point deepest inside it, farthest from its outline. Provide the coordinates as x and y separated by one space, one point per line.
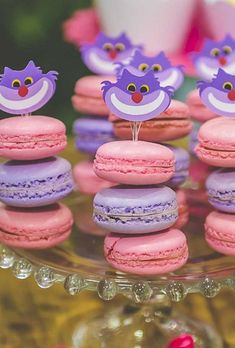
222 61
231 95
137 97
23 91
112 54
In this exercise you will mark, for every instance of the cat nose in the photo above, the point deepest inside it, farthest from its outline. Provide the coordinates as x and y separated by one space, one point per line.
231 95
222 60
23 91
113 54
137 97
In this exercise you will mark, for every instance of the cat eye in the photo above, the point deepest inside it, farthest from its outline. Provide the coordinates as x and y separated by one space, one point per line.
108 47
144 89
131 87
143 67
228 86
120 47
16 83
28 80
215 52
227 49
156 67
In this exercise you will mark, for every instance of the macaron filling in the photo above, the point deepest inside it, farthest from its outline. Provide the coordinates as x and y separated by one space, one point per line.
33 237
34 189
124 209
170 213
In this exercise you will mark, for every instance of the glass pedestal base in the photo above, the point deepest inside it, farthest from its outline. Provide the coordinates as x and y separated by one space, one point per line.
153 325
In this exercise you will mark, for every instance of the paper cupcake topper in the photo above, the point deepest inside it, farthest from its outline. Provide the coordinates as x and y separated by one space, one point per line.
101 56
215 55
182 341
167 74
219 94
136 98
27 90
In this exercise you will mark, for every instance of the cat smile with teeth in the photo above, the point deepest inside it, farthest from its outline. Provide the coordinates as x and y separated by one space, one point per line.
215 55
27 90
136 98
219 94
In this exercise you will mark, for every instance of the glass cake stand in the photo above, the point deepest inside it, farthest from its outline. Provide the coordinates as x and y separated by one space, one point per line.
146 317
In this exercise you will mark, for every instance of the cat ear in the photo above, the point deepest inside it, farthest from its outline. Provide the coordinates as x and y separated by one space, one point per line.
122 35
220 74
161 54
228 39
137 54
30 65
126 74
150 74
7 70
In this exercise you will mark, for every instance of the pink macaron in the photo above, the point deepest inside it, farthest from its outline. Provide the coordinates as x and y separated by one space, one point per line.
197 109
31 137
220 232
88 97
134 162
151 254
171 124
86 179
35 228
217 142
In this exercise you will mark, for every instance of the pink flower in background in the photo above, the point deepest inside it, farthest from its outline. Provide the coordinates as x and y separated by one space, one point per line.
82 27
182 341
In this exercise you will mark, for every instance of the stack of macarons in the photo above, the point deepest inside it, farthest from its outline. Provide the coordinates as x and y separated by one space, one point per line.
34 178
140 213
216 148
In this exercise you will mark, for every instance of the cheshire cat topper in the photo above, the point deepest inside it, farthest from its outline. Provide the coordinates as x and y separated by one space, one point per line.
136 98
27 90
215 55
219 94
167 74
101 56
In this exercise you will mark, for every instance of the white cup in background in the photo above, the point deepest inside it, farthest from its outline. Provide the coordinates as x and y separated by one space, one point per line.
158 24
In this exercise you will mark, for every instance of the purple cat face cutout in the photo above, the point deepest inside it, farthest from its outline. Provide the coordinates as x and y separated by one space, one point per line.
215 55
219 94
136 98
167 74
101 56
27 90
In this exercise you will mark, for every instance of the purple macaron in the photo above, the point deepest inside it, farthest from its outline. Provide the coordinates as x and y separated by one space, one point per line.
182 161
221 189
133 210
91 133
35 183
